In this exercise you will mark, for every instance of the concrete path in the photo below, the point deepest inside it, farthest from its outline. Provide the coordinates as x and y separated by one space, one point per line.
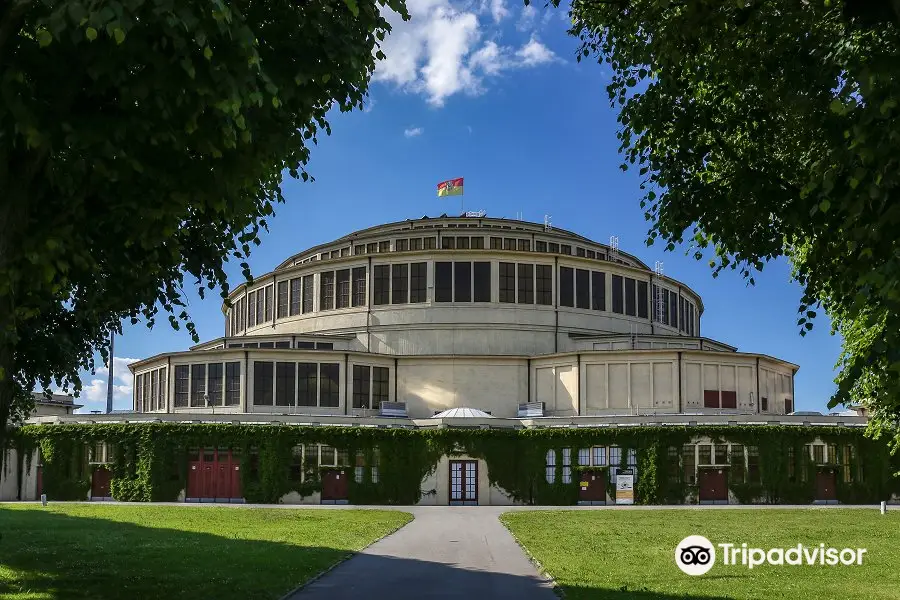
445 552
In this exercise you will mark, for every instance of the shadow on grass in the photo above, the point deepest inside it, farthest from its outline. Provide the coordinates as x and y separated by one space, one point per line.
583 593
57 556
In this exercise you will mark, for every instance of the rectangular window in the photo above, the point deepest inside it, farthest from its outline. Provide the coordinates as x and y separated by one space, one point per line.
540 246
482 292
711 399
285 373
721 454
343 288
263 384
148 400
688 463
615 456
215 383
524 245
154 386
507 282
359 286
551 466
381 286
232 383
399 284
380 392
630 308
329 384
543 284
566 286
673 309
509 244
260 307
705 454
307 384
553 248
308 294
371 248
598 290
448 243
415 243
139 394
430 243
729 399
401 245
360 249
496 243
764 404
295 296
818 454
282 310
462 282
462 243
326 290
251 310
269 300
198 385
361 386
665 306
182 376
584 457
567 465
477 243
526 284
443 282
599 456
753 464
617 303
384 246
582 288
418 281
681 312
565 249
642 299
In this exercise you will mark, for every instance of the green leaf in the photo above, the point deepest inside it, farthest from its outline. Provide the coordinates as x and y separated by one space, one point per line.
44 38
353 6
837 106
90 33
119 34
207 53
824 205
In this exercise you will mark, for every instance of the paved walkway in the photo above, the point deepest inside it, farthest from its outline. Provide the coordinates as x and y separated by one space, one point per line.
445 552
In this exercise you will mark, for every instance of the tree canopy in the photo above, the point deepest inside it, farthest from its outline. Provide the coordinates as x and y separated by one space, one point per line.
144 141
765 128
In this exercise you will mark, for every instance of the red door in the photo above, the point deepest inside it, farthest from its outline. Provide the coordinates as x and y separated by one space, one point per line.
100 483
826 485
236 479
592 486
208 474
223 475
334 485
713 485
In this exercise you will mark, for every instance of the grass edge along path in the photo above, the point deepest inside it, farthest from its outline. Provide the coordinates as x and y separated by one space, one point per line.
115 551
619 555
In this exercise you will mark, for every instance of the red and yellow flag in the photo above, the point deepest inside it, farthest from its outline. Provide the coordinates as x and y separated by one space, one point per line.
451 187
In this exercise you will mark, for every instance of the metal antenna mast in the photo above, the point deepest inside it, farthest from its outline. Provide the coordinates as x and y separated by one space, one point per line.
658 302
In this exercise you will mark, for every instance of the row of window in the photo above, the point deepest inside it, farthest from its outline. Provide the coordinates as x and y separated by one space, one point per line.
150 390
463 281
589 457
208 384
308 459
298 344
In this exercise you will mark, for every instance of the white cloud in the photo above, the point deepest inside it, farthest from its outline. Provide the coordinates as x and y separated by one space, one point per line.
413 132
535 53
368 105
93 387
527 18
439 53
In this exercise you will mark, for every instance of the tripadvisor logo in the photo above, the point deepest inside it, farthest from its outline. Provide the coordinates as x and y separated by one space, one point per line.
695 555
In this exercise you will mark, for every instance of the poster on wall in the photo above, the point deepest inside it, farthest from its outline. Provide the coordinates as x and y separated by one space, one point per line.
625 487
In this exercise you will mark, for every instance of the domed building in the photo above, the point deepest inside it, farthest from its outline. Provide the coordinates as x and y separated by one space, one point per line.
476 323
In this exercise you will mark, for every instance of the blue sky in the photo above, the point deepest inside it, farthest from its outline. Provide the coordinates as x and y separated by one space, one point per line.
491 91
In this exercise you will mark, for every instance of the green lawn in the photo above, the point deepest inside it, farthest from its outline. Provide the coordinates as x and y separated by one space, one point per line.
101 551
630 555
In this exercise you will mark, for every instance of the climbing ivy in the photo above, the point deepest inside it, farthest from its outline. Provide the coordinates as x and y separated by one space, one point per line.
150 460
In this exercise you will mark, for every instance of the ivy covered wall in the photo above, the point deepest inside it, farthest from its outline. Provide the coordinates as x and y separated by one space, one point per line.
149 460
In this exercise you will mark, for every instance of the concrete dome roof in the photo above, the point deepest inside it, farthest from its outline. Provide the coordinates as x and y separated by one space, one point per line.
462 412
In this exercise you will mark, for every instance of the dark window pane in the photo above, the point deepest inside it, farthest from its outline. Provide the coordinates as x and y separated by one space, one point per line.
214 384
295 296
182 375
260 307
329 382
598 290
681 311
478 243
282 310
544 284
359 286
526 284
665 306
308 284
443 282
418 276
630 308
198 385
262 383
642 299
361 386
617 303
269 300
282 344
582 288
399 284
462 282
507 282
232 383
381 286
266 345
324 345
284 383
482 282
448 243
380 378
326 290
566 286
343 288
251 310
673 309
306 345
307 384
